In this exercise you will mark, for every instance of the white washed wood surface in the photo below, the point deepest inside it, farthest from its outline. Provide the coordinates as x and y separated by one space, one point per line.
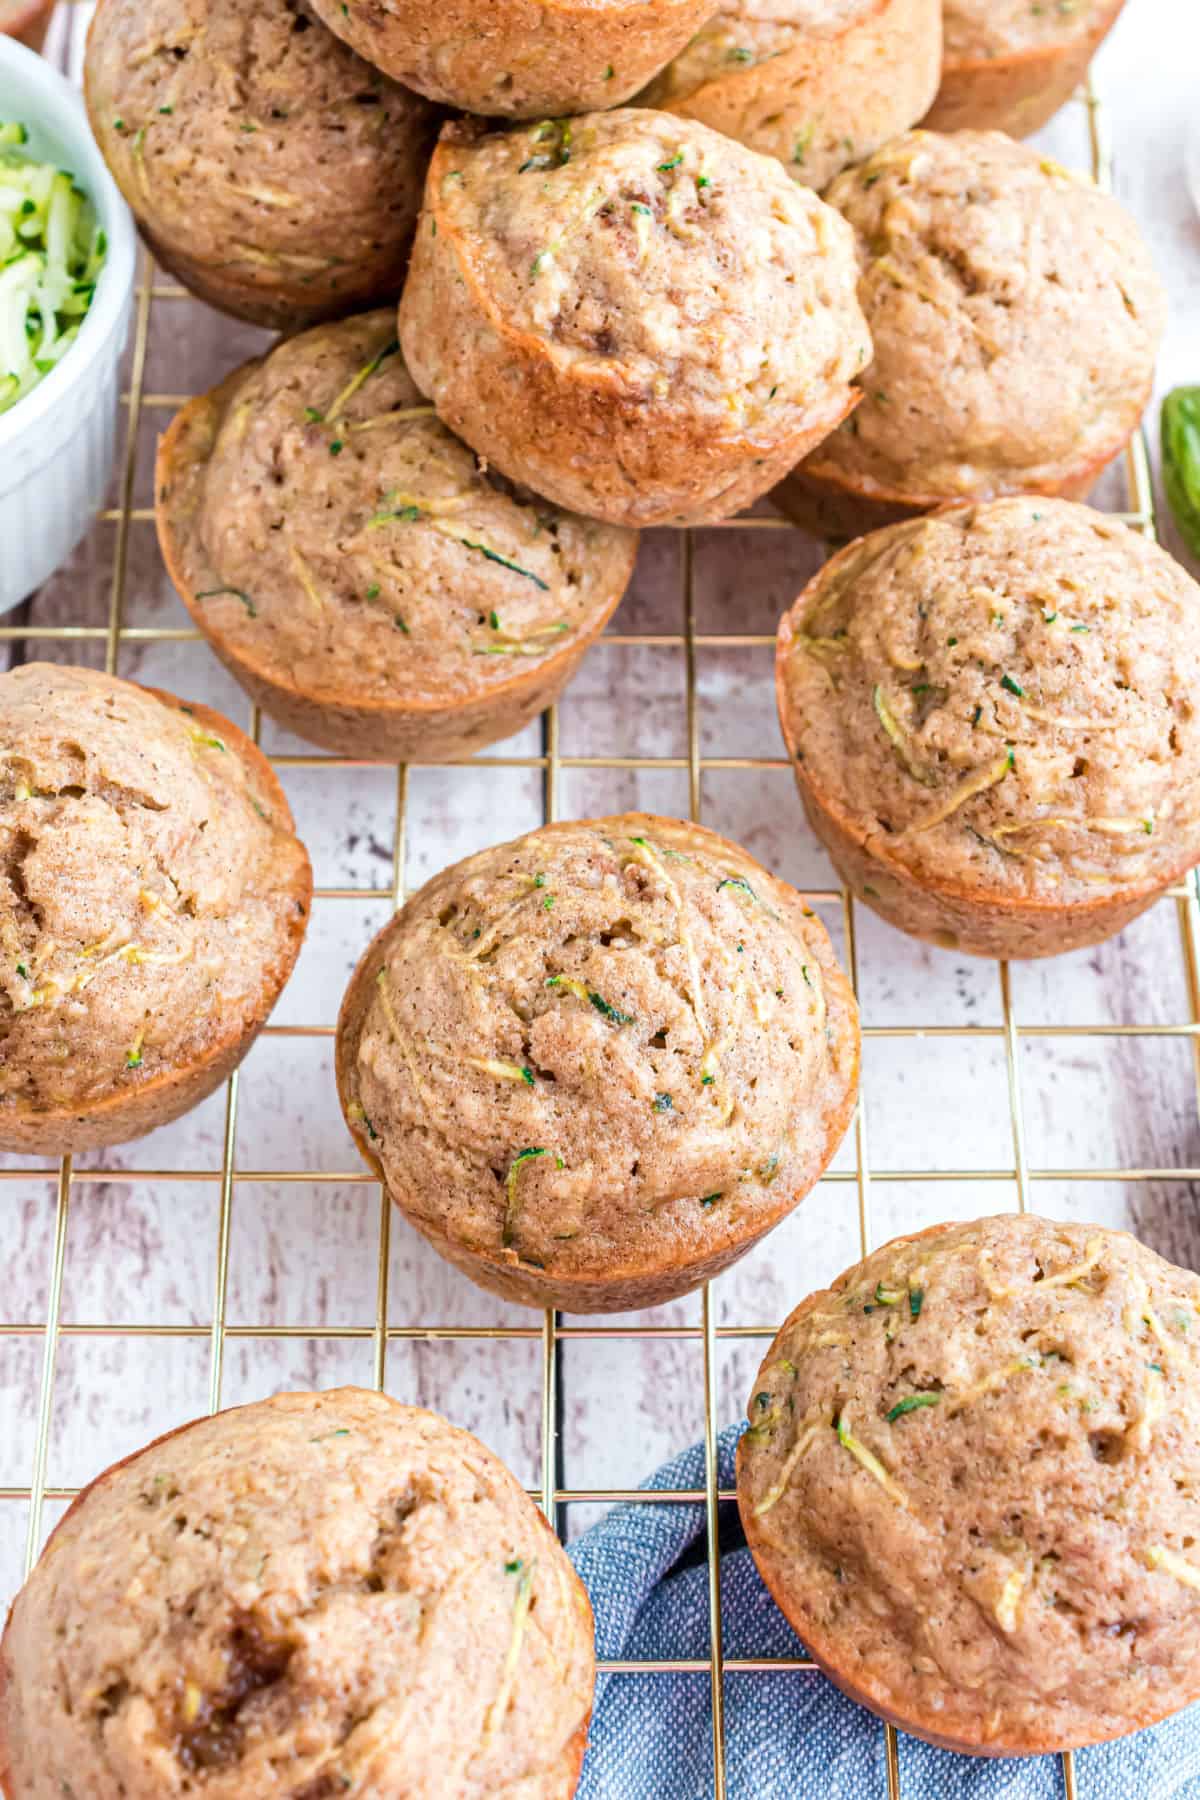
304 1254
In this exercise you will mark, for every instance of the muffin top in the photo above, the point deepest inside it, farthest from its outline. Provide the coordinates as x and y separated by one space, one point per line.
232 124
324 523
605 1042
319 1594
1000 696
151 888
743 33
1015 316
509 58
981 29
658 258
973 1470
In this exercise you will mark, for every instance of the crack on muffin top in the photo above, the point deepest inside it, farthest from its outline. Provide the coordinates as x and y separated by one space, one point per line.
694 269
282 1601
213 1726
1003 695
1015 316
600 1032
139 871
331 526
972 1469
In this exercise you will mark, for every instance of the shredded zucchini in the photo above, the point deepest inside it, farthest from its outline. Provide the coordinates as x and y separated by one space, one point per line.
503 1071
334 411
304 576
1154 1405
1159 1557
998 1378
977 782
1066 724
776 1492
900 740
520 1613
912 1403
1006 1606
1093 1251
512 1179
401 416
820 647
398 1038
869 1461
602 1006
51 253
1151 1318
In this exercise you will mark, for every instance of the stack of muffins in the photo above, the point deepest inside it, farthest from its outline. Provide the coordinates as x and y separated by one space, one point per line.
549 272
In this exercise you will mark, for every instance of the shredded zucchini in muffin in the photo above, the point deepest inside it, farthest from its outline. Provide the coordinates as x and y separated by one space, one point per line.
970 1480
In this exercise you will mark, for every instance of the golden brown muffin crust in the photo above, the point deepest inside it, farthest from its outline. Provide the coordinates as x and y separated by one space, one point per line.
818 83
1009 67
356 568
597 1060
318 1594
270 168
630 313
972 1482
153 898
524 59
1015 316
996 704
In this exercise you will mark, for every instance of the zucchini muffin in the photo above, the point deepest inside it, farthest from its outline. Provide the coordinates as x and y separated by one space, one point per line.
153 899
1010 65
369 584
972 1484
270 169
594 1066
522 59
991 715
318 1595
817 83
1016 317
633 315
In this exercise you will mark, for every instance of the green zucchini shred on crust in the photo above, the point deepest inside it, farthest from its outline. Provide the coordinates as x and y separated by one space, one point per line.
977 782
510 1187
911 1403
506 562
602 1006
334 412
899 738
236 593
520 1614
869 1461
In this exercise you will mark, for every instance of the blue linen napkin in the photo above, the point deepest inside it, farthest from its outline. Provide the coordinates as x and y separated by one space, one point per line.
789 1735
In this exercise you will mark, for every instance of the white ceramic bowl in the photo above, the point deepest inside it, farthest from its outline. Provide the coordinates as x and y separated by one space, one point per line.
58 444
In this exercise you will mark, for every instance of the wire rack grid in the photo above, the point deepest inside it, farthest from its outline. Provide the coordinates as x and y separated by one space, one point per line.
550 1333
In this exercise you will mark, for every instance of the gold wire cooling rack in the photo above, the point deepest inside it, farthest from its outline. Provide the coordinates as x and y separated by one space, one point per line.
551 1333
